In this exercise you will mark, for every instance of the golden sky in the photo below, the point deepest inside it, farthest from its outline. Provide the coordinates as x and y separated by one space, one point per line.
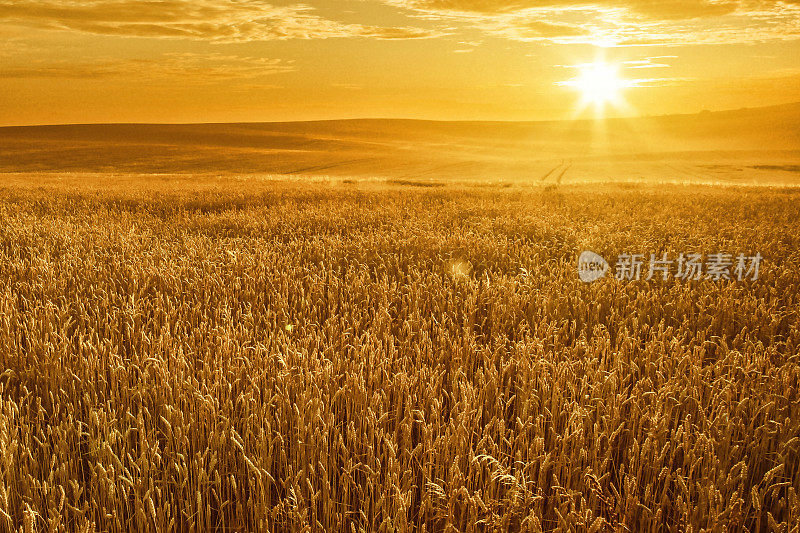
67 61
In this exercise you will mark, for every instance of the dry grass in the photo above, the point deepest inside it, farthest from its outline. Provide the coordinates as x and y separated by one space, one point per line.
281 357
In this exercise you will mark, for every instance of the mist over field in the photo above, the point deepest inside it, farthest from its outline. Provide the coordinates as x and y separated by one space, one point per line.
748 146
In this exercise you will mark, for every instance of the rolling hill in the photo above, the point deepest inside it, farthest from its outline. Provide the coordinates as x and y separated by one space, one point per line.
712 145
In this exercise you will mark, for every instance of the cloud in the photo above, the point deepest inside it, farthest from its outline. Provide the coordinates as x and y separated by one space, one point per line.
677 9
620 22
531 29
186 67
604 22
648 62
220 21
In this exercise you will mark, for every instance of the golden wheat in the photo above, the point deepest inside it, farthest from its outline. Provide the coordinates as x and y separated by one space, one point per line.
281 357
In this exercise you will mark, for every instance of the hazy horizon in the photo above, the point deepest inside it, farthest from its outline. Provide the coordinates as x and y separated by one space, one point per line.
590 119
745 146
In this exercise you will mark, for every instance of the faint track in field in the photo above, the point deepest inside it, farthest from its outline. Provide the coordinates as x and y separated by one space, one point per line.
549 172
561 175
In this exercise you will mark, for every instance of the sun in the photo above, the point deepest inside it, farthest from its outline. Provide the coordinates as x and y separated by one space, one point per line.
599 84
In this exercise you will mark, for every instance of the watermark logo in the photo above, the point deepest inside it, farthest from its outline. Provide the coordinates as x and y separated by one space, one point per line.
591 266
692 266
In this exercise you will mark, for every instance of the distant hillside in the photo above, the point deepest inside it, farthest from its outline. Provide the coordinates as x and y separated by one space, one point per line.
388 147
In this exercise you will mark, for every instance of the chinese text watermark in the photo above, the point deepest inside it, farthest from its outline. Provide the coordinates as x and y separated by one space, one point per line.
684 266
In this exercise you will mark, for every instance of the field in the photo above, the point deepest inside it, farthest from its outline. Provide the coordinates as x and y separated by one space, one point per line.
266 355
309 351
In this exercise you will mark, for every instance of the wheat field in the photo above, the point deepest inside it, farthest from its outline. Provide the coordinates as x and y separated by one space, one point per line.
237 354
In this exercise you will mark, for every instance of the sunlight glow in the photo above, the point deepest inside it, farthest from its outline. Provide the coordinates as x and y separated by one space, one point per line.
599 84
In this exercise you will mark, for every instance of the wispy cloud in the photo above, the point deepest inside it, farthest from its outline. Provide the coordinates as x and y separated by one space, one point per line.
604 22
620 22
187 67
220 21
649 62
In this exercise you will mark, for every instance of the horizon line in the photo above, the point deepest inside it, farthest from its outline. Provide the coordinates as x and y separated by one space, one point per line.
398 119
